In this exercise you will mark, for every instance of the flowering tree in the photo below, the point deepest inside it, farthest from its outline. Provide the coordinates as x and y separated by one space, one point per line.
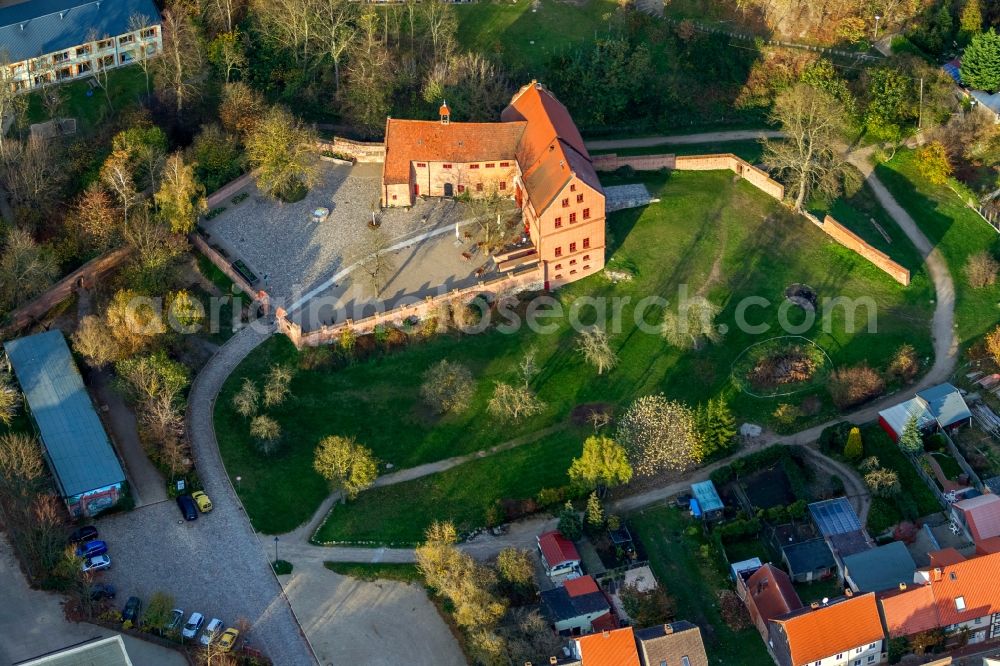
660 434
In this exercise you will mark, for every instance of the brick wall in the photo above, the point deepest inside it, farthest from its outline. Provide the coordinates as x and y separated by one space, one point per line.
227 191
327 334
223 265
719 162
852 241
90 273
359 150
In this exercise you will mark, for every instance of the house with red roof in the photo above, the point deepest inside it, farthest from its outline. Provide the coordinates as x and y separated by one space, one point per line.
843 632
607 648
535 155
963 596
980 515
559 556
768 593
578 606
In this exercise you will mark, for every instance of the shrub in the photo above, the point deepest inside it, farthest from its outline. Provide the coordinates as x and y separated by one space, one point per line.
904 365
935 442
787 414
993 344
981 270
854 448
833 437
549 497
854 385
647 608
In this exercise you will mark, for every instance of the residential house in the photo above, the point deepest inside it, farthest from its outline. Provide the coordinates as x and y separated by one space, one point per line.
961 597
767 593
606 648
843 632
48 41
705 501
841 527
674 644
559 556
535 155
980 515
576 606
809 560
881 568
86 470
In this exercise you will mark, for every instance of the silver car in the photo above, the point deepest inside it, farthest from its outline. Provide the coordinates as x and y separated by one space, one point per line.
212 631
193 625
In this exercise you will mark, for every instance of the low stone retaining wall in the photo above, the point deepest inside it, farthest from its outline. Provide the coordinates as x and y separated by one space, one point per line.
223 264
855 243
508 284
359 150
87 275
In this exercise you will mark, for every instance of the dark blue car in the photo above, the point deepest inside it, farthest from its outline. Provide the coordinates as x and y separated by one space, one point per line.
187 506
91 549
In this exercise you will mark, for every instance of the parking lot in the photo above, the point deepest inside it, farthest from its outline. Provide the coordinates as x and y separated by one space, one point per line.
153 550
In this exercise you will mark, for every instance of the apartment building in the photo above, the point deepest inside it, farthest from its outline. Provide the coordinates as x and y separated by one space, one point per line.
535 155
49 41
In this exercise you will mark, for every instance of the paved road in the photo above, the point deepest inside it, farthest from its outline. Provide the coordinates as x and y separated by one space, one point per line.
234 543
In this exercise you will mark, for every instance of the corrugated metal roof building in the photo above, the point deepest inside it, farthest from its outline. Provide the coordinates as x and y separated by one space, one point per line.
87 471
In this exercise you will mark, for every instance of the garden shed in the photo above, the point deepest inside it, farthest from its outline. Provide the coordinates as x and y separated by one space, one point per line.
86 470
705 502
946 404
981 515
894 419
879 569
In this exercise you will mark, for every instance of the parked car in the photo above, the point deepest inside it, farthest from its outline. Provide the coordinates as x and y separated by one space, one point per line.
320 214
91 548
193 625
175 621
201 499
132 610
187 507
228 639
211 631
96 563
102 591
81 534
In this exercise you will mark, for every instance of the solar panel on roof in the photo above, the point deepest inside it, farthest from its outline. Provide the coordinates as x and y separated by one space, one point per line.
835 516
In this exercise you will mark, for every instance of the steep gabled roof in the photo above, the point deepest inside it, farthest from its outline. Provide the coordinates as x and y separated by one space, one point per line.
557 549
38 27
670 643
982 513
608 648
881 568
910 611
772 592
409 141
815 634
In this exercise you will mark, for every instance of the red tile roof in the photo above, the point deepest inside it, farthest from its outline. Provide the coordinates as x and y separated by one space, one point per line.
409 141
816 634
771 591
557 549
987 546
577 587
909 611
982 515
608 648
606 622
945 557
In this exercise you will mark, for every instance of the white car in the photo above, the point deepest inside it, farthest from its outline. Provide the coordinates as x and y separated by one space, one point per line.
193 625
320 214
212 631
96 563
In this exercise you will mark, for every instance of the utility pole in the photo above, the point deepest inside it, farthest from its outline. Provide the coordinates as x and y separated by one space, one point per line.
877 19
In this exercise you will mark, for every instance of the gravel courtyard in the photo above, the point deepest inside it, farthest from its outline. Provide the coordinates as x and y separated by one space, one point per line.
291 254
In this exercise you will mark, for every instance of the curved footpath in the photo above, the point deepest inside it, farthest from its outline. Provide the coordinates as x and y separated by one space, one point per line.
276 624
275 628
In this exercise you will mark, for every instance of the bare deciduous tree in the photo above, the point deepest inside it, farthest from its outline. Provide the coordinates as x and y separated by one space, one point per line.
812 157
12 103
593 344
245 400
21 463
347 465
142 54
26 269
377 263
93 339
447 387
514 403
277 385
10 399
266 432
179 67
693 322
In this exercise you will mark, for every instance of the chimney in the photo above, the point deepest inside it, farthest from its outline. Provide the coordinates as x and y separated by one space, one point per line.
668 629
937 574
553 660
445 113
848 592
814 605
902 586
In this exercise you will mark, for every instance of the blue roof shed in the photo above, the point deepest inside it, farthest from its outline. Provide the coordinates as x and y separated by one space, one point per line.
946 404
708 499
38 27
76 446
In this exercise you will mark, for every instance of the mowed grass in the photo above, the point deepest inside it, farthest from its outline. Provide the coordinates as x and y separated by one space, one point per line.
125 86
526 37
703 219
693 573
954 229
398 515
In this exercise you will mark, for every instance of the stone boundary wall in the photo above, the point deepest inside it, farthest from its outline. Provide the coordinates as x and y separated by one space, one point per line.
228 190
223 265
508 284
855 243
359 150
718 162
90 273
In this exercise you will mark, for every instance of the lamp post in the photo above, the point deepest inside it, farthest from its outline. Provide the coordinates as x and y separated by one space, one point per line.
877 19
275 550
239 486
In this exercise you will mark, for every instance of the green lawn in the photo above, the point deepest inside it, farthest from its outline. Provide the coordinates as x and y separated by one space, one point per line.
399 514
234 300
703 217
818 590
404 573
693 573
125 87
525 39
956 230
915 500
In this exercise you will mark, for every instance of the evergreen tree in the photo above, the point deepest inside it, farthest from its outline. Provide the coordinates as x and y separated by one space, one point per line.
595 512
970 22
981 62
854 449
910 440
716 426
570 525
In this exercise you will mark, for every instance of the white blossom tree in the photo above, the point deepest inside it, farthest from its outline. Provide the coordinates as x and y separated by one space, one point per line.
660 435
